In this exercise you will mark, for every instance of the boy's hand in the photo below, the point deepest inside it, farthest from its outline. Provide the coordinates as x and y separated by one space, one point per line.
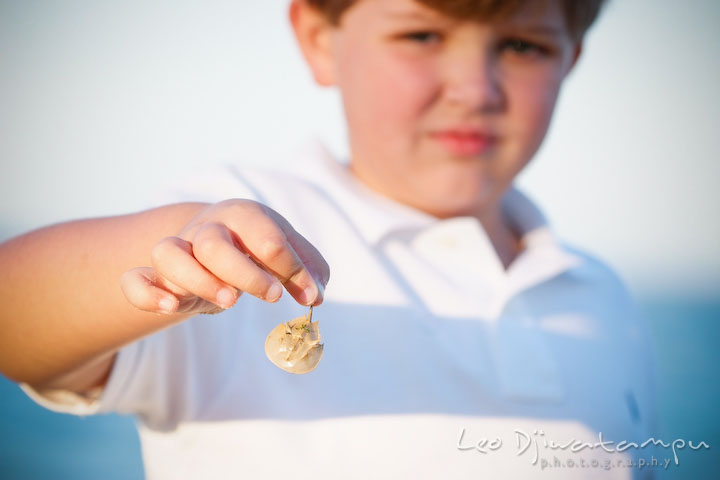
231 247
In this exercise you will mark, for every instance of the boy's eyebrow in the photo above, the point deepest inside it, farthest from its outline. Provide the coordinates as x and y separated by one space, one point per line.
548 30
413 15
545 30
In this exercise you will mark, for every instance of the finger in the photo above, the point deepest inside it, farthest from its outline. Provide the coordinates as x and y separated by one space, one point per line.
214 248
172 258
148 291
268 245
139 287
311 258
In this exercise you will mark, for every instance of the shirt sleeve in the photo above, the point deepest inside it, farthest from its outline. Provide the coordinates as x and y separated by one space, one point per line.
98 400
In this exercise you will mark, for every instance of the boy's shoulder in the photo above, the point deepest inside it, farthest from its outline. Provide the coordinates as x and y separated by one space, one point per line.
598 272
223 181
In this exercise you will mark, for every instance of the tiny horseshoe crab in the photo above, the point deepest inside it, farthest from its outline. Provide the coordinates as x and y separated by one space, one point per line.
295 346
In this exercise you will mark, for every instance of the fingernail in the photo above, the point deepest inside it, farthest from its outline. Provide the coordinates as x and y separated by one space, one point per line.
167 304
321 289
225 298
274 292
310 294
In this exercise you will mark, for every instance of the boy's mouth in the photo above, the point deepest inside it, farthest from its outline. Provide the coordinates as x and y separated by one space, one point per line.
464 142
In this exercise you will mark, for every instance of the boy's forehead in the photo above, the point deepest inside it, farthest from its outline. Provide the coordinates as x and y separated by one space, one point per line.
509 11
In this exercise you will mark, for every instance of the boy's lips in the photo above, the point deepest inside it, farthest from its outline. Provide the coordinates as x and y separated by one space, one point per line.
465 142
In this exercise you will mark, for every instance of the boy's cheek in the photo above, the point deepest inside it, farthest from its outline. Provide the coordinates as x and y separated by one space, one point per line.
533 106
391 98
398 86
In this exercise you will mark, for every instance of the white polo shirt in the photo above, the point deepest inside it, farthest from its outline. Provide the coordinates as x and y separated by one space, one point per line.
438 363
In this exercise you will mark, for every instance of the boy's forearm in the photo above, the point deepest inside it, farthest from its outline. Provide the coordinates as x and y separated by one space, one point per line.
63 309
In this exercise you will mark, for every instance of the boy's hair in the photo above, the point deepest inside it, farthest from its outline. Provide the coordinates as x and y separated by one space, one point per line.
579 14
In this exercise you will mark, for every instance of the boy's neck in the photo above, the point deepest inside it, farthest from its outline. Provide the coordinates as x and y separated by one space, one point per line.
506 242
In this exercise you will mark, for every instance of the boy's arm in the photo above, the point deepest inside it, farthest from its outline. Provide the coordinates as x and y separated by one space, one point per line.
65 315
63 308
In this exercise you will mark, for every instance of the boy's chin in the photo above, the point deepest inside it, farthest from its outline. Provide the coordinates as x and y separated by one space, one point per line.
461 199
449 205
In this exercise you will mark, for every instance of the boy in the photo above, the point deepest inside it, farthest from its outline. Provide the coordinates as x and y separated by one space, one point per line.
457 329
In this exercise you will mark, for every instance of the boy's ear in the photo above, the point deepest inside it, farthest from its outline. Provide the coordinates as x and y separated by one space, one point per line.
313 32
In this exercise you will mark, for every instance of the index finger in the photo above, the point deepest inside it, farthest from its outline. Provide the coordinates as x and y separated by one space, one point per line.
279 249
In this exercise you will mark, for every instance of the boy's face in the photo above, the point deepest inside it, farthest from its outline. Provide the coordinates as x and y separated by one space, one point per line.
442 114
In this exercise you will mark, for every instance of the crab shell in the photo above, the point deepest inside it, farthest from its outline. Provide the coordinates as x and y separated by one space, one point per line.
295 346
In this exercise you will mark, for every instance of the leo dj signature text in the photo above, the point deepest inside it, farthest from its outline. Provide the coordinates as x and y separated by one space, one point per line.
534 442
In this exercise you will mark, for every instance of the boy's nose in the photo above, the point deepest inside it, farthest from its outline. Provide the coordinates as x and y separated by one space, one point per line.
474 84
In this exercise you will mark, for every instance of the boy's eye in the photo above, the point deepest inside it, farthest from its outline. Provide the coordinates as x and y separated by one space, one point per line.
522 47
423 37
